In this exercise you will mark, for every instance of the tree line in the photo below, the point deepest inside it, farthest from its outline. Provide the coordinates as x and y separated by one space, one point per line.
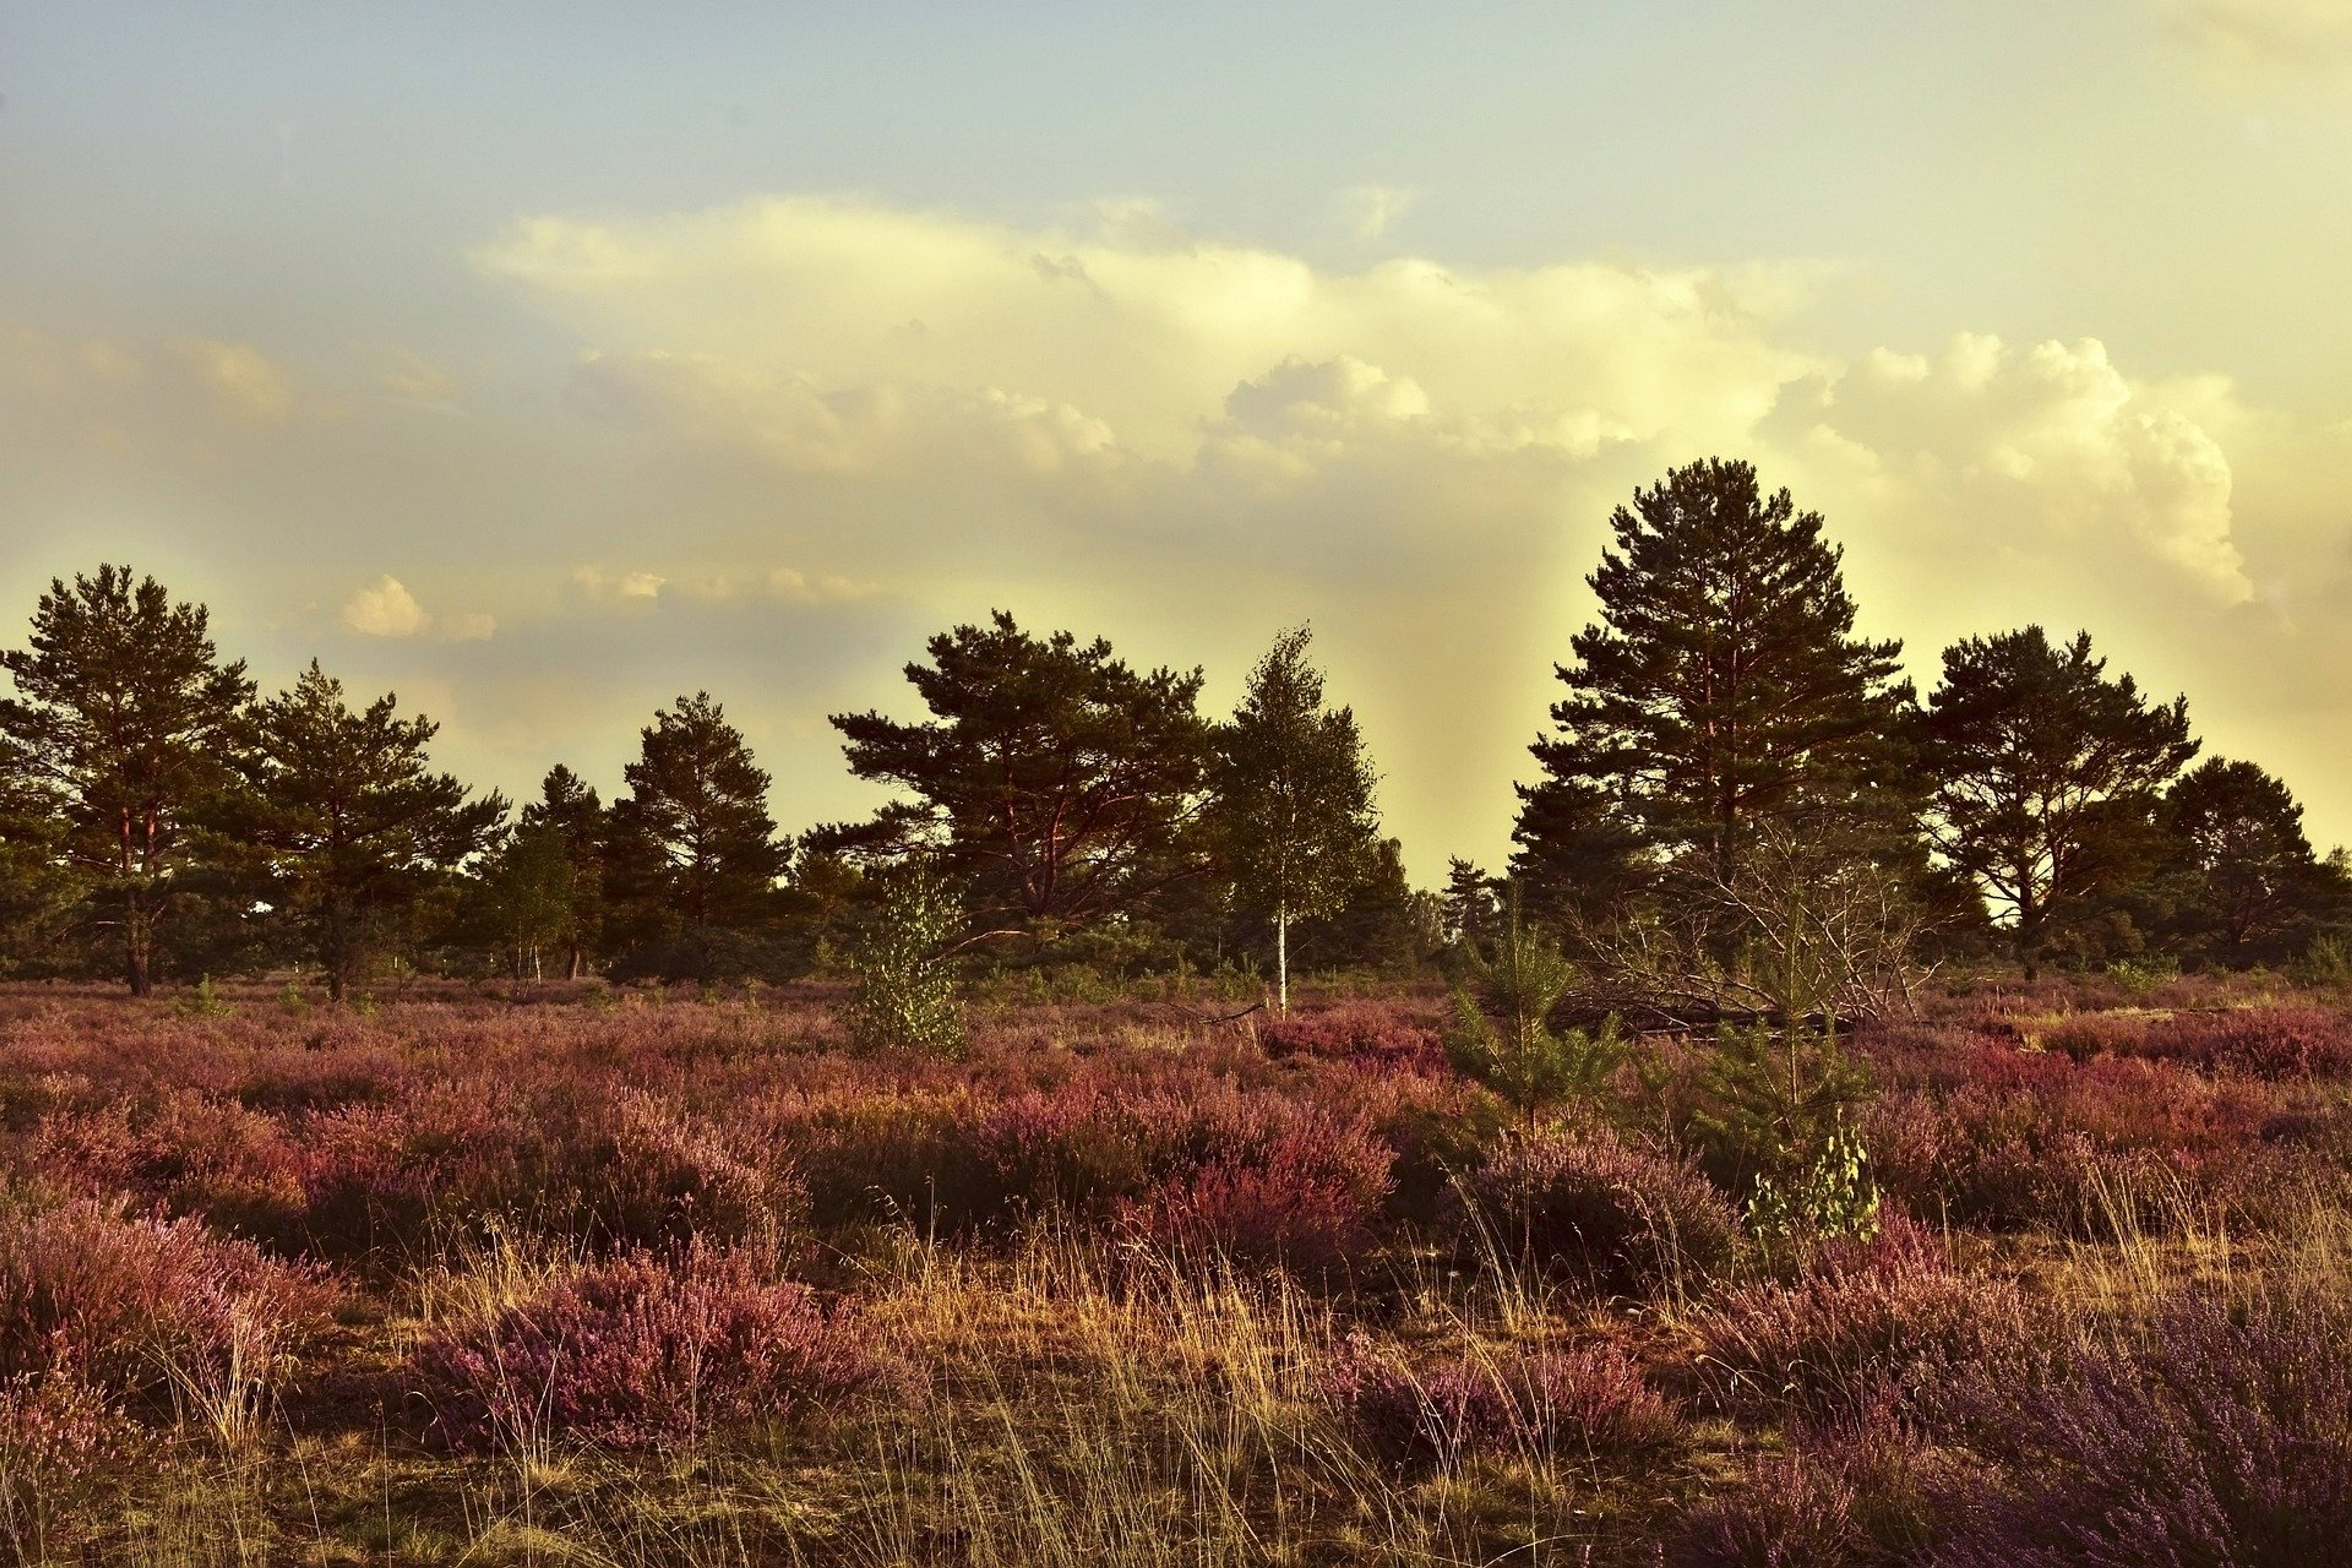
1736 783
1739 801
159 815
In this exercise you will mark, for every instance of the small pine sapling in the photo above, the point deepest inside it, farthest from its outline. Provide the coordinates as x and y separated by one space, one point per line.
1501 1036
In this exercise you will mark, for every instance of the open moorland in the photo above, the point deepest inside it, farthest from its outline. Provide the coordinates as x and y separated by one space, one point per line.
635 1277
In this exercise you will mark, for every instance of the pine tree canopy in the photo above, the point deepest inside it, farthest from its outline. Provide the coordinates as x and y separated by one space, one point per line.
2048 772
1053 781
345 818
694 833
1721 688
120 728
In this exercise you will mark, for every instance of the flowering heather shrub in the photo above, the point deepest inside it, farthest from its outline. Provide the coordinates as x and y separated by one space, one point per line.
1306 1198
2226 1438
1585 1403
1992 1136
1588 1204
1794 1512
127 1304
2080 1037
1367 1034
640 1351
1875 1320
52 1426
376 1178
186 1150
2262 1042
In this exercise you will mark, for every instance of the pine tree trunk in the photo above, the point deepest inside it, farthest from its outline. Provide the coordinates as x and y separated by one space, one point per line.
139 943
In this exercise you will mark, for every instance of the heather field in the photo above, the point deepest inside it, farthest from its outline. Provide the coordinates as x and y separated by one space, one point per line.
632 1276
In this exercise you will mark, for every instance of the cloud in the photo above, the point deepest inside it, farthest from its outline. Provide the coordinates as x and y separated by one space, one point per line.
1184 442
1369 210
188 401
776 585
385 608
243 384
2045 453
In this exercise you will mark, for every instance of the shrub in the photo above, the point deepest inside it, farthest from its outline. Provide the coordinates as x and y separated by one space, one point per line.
1586 1404
1588 1205
1501 1036
1364 1034
2225 1439
1306 1198
137 1308
2262 1042
639 1351
1878 1321
655 1176
906 985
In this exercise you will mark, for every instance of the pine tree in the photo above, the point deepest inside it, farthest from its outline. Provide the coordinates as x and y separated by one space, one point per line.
1293 791
2256 891
692 848
1054 782
121 727
1501 1034
344 822
568 808
1721 690
2048 776
1471 907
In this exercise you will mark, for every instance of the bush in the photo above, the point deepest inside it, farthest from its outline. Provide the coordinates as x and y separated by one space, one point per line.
2261 1042
2225 1439
640 1351
1586 1404
1587 1204
1862 1322
1305 1198
1364 1034
906 985
138 1308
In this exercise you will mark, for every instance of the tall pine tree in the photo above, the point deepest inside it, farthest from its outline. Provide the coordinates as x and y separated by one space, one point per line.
1054 780
1722 690
120 728
693 860
1293 789
567 808
346 822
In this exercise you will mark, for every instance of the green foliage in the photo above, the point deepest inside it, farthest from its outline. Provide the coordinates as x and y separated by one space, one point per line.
201 1001
1054 781
1721 690
904 997
568 811
2251 890
1834 1196
1772 1110
1471 908
527 900
2326 962
693 861
1500 1034
1292 818
344 825
2048 776
120 728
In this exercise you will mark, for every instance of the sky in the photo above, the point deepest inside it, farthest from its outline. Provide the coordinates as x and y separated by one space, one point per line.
543 363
